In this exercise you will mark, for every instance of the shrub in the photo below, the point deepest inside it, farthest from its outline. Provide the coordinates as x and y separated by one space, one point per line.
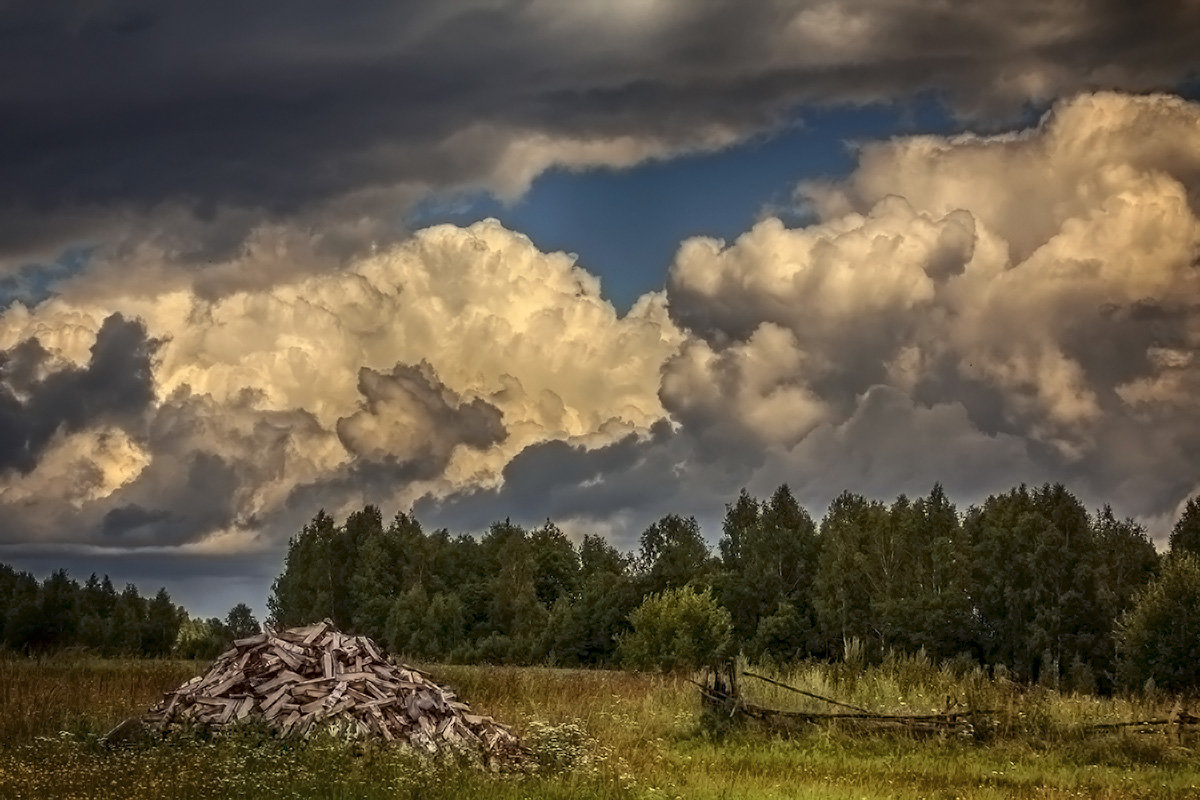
675 630
1159 638
781 637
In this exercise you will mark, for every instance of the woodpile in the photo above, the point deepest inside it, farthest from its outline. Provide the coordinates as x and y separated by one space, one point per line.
301 680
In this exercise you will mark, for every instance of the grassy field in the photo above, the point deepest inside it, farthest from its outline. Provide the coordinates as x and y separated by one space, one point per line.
598 735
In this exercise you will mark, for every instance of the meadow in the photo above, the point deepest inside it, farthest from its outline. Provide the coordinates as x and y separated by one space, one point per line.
602 734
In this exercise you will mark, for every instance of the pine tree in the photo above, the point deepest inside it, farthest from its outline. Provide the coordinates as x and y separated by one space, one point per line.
304 591
59 611
1185 535
161 626
129 619
769 554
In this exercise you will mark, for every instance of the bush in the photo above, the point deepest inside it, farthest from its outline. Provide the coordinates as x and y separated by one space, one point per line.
782 637
678 629
1159 638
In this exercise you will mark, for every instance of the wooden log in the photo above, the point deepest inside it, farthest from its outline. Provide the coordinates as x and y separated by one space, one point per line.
228 683
274 708
274 699
282 644
314 632
286 676
244 708
314 706
250 641
291 659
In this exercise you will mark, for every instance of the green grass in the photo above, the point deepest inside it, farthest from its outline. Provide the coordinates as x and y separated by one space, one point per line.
597 734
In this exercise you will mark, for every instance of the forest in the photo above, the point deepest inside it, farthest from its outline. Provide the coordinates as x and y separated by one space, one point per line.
58 614
1028 583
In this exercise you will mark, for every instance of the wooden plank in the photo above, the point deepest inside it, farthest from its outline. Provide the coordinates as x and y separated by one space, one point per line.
286 676
250 641
289 722
244 708
370 647
272 709
381 702
314 681
315 705
227 684
315 632
337 708
227 714
287 646
274 699
286 657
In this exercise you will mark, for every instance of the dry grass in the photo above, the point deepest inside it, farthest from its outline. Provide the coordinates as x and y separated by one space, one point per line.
914 684
79 694
600 735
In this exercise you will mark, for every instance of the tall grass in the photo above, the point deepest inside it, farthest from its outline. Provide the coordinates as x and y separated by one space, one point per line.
600 735
908 683
80 694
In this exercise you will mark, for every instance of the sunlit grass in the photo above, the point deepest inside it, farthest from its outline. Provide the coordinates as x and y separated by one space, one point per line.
599 734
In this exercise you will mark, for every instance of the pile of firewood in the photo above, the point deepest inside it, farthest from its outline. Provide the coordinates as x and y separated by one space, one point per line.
300 680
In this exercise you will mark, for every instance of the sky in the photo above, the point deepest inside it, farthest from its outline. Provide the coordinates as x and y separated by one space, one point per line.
587 262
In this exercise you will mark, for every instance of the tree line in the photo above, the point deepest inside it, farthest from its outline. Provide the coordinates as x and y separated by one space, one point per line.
58 613
1028 582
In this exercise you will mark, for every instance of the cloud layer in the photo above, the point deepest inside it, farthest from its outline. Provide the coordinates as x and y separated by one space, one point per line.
424 367
976 310
1045 282
183 126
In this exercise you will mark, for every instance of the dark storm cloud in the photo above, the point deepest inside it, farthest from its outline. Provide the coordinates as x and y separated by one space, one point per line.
292 109
409 416
37 400
406 430
197 497
623 486
887 446
195 482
